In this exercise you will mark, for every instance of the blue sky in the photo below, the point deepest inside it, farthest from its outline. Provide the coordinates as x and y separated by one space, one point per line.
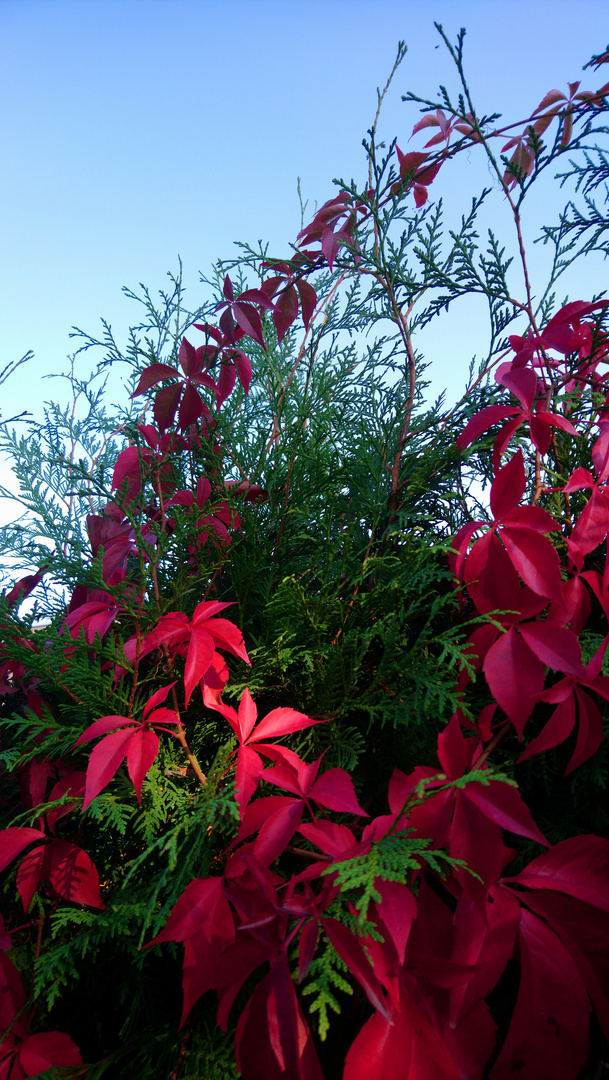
137 131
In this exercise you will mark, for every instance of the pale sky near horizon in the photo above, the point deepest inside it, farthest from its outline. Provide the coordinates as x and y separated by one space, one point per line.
136 131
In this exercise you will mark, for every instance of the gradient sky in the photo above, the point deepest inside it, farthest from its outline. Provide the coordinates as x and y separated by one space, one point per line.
136 131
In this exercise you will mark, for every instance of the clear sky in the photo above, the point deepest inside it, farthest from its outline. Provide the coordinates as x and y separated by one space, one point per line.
134 131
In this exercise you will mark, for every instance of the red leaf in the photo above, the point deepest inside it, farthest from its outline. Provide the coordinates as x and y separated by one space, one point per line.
536 560
508 487
278 830
332 839
152 375
73 783
200 968
403 1046
308 301
556 420
578 866
104 760
128 467
165 405
335 790
202 906
102 726
409 163
95 617
191 407
307 945
397 909
476 839
44 1051
143 749
482 421
351 951
73 875
493 584
14 840
584 932
503 437
522 382
201 649
188 357
34 868
532 518
549 1031
590 733
515 677
246 717
248 774
455 751
558 728
504 805
272 1038
484 938
244 369
12 999
592 524
24 587
238 963
329 245
286 311
226 636
540 433
282 722
157 698
460 544
580 478
556 647
248 319
227 378
257 296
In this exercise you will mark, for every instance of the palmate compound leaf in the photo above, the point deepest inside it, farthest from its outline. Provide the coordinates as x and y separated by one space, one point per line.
137 742
274 725
196 639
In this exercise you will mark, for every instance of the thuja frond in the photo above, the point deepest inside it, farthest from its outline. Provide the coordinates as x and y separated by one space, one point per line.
326 976
77 935
394 858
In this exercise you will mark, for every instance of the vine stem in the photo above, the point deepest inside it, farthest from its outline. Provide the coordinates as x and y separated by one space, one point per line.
182 1051
181 735
491 746
402 321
